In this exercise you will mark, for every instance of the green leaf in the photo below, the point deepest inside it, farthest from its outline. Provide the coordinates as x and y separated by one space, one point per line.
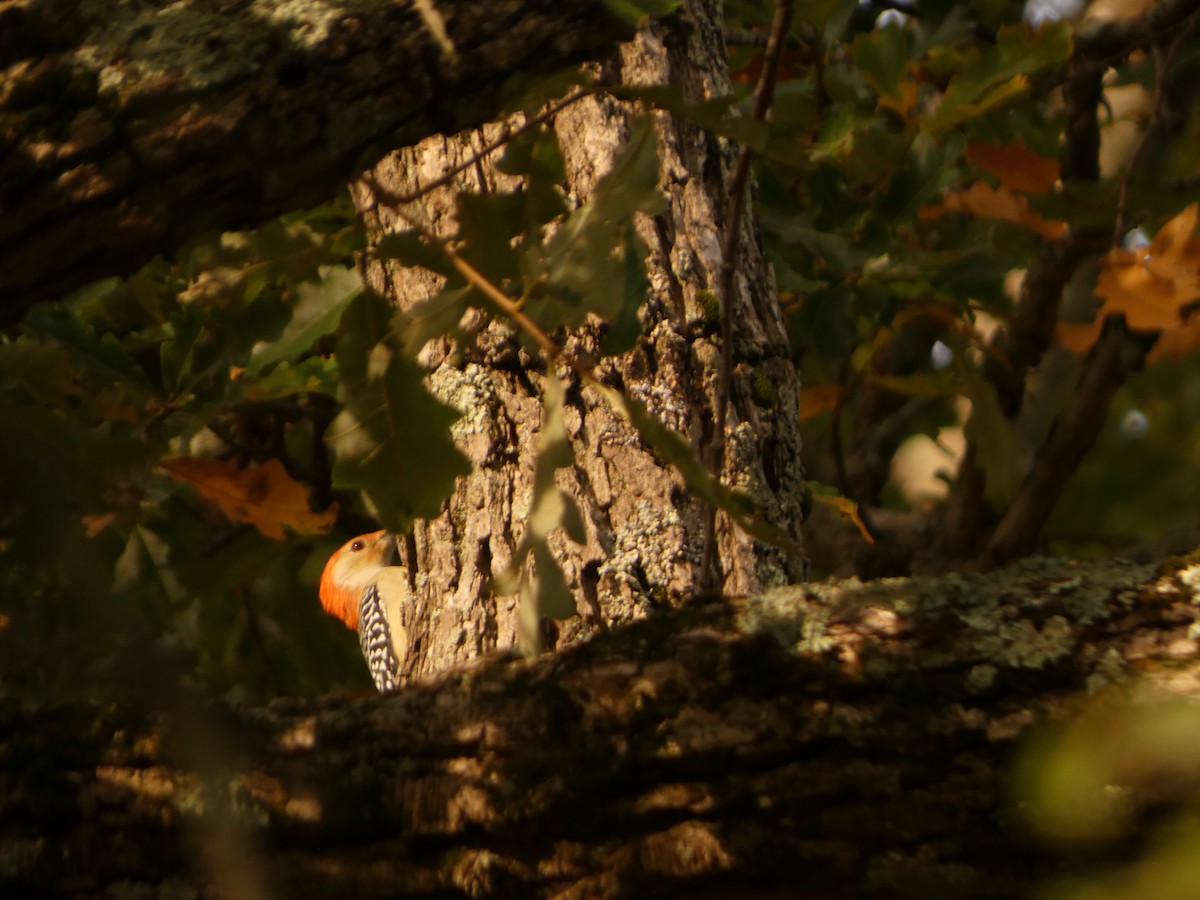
633 11
554 599
100 355
825 14
63 456
998 449
625 327
830 247
436 316
533 151
411 249
545 592
316 311
882 57
988 80
242 264
391 439
554 448
313 375
587 258
719 115
488 225
178 351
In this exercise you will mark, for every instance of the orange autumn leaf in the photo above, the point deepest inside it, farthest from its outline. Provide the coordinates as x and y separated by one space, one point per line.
265 496
1176 343
987 202
93 525
1078 337
1153 287
818 399
1017 167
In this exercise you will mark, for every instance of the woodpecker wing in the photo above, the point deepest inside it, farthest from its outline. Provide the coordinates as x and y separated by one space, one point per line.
381 630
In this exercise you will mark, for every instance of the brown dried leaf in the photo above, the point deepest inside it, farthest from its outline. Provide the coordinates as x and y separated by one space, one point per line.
818 399
1017 167
987 202
93 525
265 496
1176 343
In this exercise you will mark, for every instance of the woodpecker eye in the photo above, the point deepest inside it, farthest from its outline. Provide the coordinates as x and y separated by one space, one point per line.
357 545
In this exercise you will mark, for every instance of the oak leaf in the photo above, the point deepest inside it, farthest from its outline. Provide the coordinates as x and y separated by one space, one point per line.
95 524
819 398
1153 287
266 496
1016 166
987 202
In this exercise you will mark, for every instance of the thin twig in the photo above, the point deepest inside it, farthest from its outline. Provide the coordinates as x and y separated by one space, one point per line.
1158 112
481 283
763 95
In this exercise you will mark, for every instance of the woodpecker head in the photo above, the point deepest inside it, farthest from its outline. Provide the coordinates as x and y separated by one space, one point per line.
352 568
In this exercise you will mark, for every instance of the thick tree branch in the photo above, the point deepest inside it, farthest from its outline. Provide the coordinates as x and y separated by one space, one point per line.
1115 355
1107 42
841 741
128 129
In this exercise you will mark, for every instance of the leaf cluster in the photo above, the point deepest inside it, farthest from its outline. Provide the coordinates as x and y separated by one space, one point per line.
929 222
165 433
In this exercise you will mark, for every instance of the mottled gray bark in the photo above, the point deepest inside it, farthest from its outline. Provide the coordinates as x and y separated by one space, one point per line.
127 129
645 530
835 741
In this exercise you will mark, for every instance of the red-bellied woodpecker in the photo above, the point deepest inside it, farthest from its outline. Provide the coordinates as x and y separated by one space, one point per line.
364 591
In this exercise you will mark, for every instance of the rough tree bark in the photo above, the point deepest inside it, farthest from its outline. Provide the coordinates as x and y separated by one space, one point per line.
833 741
645 533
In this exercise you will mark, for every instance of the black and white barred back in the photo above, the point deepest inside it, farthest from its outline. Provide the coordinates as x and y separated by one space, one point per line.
375 638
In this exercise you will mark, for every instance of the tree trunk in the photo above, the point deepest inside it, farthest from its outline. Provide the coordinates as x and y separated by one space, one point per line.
644 530
836 741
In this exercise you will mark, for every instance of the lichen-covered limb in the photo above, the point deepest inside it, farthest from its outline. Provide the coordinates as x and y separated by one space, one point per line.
847 739
127 128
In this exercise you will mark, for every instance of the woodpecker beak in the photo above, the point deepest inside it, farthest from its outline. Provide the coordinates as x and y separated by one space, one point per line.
390 539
